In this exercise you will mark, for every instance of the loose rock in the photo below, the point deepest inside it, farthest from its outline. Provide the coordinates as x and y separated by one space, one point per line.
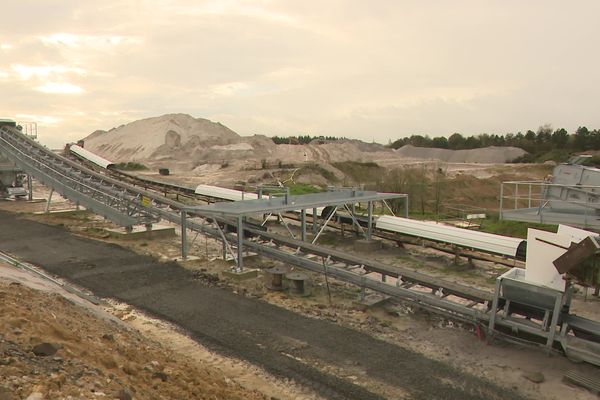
125 394
535 377
46 349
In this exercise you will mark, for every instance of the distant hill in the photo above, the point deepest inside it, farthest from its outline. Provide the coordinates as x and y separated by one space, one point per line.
492 154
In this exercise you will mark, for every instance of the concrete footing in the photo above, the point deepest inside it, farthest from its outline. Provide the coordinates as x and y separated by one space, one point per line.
367 245
240 276
71 211
299 283
188 258
141 232
370 301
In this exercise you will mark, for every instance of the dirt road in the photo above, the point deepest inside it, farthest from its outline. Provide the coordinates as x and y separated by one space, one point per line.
284 343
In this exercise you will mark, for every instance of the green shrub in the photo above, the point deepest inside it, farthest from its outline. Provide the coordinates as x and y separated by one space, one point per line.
131 166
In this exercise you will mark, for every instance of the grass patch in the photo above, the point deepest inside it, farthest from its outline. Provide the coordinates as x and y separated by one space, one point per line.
330 240
303 188
131 166
513 228
360 172
317 169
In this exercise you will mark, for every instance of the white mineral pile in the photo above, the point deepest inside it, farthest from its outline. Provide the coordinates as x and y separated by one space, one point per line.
180 137
168 135
491 155
190 143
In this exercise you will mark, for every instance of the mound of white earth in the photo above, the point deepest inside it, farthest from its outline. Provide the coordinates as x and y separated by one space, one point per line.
491 155
183 142
166 135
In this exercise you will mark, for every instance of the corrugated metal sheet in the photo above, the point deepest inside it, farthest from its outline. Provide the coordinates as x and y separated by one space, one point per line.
488 242
225 194
236 195
94 158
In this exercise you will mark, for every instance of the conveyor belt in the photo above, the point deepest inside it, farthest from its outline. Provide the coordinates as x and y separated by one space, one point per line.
407 276
126 204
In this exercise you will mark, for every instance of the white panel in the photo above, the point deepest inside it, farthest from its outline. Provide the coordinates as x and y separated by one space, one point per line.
542 249
224 193
88 155
444 233
576 234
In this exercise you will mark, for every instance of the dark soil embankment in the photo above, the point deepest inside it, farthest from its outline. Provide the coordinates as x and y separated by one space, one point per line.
284 343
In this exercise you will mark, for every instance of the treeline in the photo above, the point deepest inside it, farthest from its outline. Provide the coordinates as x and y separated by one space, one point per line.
545 144
303 139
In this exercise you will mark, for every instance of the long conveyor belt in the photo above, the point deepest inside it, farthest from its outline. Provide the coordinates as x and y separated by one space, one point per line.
127 204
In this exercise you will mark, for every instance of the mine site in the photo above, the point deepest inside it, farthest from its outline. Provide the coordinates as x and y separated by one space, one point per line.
252 200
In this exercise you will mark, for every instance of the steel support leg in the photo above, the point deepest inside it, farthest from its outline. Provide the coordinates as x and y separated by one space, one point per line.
494 308
29 188
240 244
303 225
184 249
47 210
370 222
552 329
224 231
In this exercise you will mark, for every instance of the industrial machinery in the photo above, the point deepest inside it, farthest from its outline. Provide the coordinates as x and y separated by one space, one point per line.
11 177
571 195
536 301
531 304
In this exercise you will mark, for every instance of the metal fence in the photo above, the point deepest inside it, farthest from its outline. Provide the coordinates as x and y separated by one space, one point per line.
546 202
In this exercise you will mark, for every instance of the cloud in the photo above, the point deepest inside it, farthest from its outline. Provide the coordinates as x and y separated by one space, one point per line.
43 119
96 42
27 72
380 69
59 88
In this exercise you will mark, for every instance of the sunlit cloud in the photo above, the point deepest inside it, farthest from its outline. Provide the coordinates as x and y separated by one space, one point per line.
355 68
27 72
87 41
235 7
42 119
59 88
229 88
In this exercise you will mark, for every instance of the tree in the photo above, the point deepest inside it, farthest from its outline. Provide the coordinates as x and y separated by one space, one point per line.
440 142
560 138
581 138
456 141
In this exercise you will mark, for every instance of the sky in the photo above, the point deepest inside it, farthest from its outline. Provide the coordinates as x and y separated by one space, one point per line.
372 70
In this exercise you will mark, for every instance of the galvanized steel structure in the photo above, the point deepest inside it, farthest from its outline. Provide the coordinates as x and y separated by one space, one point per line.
128 205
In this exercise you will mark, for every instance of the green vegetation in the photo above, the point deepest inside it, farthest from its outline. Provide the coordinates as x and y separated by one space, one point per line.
543 145
317 169
302 188
513 228
360 172
303 139
131 166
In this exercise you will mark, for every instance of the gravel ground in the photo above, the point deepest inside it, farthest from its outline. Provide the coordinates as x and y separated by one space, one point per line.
283 343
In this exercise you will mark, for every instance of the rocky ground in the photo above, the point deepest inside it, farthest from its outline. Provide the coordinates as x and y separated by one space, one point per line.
512 367
53 348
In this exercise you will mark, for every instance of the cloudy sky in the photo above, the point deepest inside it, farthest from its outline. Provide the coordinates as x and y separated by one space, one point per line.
374 70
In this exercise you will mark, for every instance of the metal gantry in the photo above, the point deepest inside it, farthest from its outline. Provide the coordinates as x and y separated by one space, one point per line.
328 202
94 191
